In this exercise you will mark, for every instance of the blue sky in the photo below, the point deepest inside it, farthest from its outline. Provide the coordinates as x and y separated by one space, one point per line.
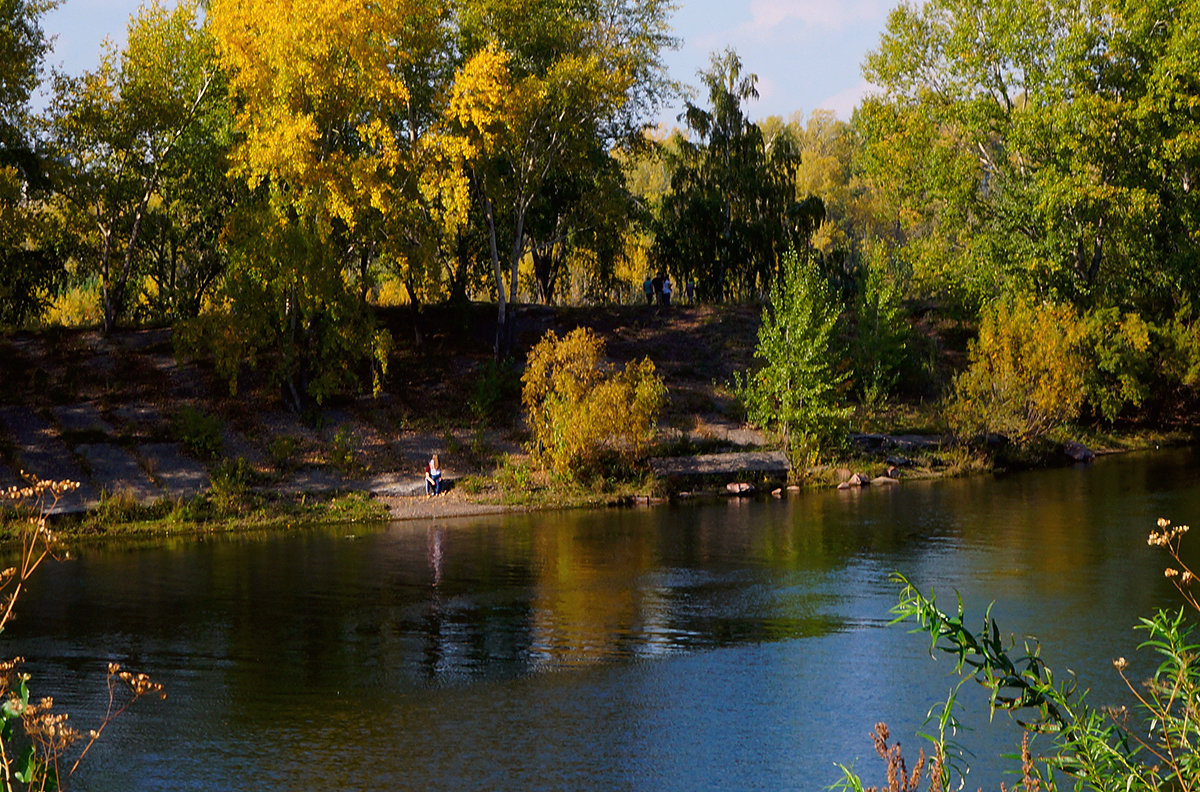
806 53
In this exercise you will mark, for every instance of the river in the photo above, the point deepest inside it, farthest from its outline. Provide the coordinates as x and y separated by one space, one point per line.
742 645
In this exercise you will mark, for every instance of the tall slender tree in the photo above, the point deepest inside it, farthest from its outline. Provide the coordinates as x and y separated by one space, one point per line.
30 271
117 129
732 209
563 80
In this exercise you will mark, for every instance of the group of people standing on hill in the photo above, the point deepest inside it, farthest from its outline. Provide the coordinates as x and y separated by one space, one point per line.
658 290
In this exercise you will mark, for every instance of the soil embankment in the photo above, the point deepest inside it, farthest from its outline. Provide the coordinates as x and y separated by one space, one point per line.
124 415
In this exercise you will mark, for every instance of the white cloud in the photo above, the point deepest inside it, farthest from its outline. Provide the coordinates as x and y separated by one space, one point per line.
767 16
843 103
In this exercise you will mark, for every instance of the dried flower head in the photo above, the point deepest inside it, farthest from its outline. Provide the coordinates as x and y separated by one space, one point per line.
141 684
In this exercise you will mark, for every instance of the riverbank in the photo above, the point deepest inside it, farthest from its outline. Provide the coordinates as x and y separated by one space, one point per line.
160 444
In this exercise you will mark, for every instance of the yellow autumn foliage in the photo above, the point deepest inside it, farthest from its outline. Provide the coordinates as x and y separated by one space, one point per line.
321 87
582 411
1028 372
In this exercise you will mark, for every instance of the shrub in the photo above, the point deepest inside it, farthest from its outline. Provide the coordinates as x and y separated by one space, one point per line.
230 485
119 506
1177 352
497 385
583 412
794 393
199 432
1027 372
283 449
341 451
78 305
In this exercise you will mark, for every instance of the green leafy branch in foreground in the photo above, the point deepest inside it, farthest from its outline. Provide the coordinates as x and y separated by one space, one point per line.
1092 748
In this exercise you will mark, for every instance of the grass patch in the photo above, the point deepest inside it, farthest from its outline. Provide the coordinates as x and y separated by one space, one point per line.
199 515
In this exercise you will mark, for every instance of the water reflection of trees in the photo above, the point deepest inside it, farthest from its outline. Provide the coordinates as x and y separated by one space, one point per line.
438 604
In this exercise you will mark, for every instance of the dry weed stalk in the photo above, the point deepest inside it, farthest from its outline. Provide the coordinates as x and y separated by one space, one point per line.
48 735
1171 537
900 780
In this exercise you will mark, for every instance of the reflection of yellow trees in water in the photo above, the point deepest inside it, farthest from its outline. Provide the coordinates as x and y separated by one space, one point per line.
591 594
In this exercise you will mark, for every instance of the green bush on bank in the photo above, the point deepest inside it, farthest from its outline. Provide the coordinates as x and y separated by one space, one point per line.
794 391
879 348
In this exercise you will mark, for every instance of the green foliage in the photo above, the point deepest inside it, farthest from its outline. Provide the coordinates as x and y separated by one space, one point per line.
1090 747
1027 373
282 450
581 411
198 431
550 88
31 272
1177 347
119 506
121 130
881 332
795 391
22 47
497 386
1039 147
1120 370
285 307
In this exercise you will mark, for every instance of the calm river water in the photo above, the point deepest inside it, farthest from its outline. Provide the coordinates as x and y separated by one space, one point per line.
729 646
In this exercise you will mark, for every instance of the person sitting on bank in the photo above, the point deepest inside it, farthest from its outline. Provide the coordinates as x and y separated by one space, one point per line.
433 477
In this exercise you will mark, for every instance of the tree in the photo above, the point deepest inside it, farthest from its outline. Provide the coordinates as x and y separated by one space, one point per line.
117 129
30 270
337 106
794 392
881 332
549 83
578 218
1039 147
732 209
182 251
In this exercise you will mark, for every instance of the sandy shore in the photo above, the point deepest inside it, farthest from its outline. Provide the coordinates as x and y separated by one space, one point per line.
451 504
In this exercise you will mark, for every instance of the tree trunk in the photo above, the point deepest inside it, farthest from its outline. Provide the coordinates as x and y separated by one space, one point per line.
501 348
543 272
415 301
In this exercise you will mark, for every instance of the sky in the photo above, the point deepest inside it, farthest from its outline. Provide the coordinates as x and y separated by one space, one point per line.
806 53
